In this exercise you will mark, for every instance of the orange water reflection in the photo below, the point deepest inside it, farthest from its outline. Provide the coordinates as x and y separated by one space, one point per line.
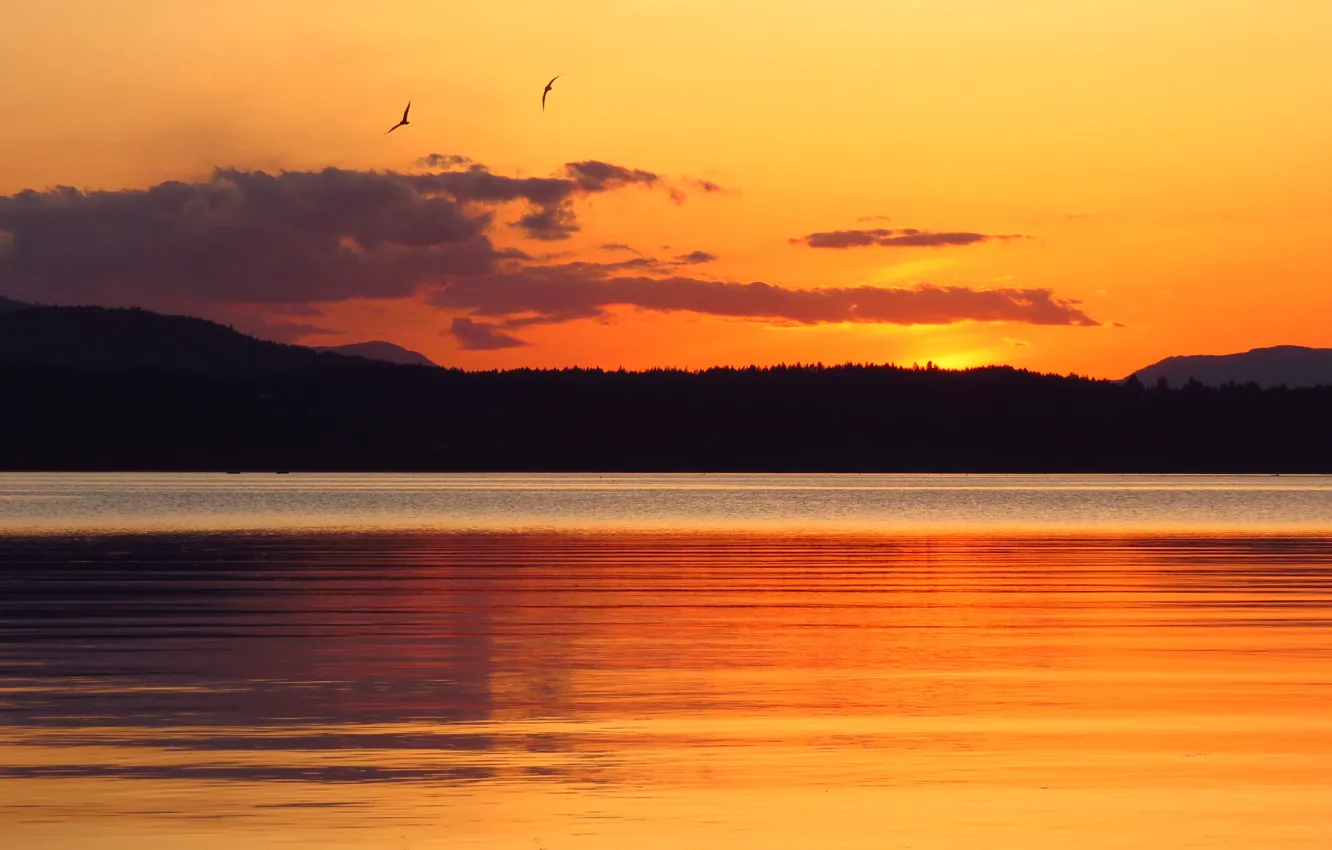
655 690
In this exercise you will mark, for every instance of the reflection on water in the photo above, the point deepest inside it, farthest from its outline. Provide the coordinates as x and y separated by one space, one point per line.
904 504
598 689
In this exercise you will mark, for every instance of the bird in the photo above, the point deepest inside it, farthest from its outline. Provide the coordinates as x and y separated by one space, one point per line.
546 90
404 121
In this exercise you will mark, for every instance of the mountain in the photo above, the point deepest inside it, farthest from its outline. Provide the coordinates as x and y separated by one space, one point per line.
89 388
386 352
9 305
1288 365
100 339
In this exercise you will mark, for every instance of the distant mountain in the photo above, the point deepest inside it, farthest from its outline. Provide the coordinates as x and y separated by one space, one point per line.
113 389
99 339
1288 365
9 305
379 350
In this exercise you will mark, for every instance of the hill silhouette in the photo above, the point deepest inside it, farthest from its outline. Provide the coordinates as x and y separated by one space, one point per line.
8 305
103 339
87 388
1282 365
379 350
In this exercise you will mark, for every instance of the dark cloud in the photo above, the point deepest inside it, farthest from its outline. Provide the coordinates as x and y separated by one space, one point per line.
239 236
480 336
292 237
549 223
707 186
446 161
905 238
695 258
304 310
544 295
557 318
594 176
477 185
1118 325
268 246
618 246
291 331
550 214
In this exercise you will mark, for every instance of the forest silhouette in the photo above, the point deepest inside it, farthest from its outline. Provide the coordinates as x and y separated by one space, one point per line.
89 388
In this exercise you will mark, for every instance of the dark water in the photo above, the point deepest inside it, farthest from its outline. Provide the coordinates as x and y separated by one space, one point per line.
789 662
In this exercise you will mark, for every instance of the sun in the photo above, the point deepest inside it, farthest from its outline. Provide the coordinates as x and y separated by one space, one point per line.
963 359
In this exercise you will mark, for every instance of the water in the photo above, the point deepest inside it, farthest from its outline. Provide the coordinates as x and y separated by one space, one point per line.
665 661
901 504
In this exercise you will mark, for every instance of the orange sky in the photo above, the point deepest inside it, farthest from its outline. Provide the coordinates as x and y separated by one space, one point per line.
1169 158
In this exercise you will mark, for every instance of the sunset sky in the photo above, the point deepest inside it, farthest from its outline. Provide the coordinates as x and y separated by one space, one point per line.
1066 186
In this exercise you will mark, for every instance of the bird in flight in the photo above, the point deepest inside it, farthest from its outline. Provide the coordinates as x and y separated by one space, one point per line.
546 90
404 121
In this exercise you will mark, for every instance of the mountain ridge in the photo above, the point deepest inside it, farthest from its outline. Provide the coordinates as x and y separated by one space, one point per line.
129 338
378 349
1270 367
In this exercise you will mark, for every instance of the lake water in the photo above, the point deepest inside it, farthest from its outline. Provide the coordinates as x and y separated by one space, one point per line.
551 662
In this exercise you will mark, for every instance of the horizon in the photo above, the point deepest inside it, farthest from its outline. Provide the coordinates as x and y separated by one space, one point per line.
1087 191
794 364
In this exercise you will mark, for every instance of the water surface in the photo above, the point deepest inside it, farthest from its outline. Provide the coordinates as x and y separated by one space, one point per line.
903 504
665 661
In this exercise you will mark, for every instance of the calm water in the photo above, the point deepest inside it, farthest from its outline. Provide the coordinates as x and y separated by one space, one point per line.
665 661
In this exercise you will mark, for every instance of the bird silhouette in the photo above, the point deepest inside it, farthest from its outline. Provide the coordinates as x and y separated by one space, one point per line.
404 121
546 90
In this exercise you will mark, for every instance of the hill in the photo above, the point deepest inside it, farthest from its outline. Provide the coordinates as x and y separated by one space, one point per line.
99 339
1282 365
8 305
386 352
97 389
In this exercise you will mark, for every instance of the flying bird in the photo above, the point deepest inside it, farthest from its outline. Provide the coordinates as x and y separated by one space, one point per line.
404 121
546 90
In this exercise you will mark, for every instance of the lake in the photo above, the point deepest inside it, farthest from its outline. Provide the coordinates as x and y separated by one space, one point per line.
657 661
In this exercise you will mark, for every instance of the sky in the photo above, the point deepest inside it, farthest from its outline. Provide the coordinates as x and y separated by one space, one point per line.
1072 187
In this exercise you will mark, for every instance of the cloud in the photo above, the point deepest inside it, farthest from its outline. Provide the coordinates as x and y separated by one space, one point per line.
550 215
594 176
480 336
446 161
291 331
303 310
695 258
865 218
549 223
546 295
291 237
708 187
272 246
1118 325
1020 343
906 238
241 236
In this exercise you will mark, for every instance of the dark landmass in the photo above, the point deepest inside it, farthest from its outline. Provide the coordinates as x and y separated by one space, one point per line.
8 305
93 389
379 350
97 339
1279 366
